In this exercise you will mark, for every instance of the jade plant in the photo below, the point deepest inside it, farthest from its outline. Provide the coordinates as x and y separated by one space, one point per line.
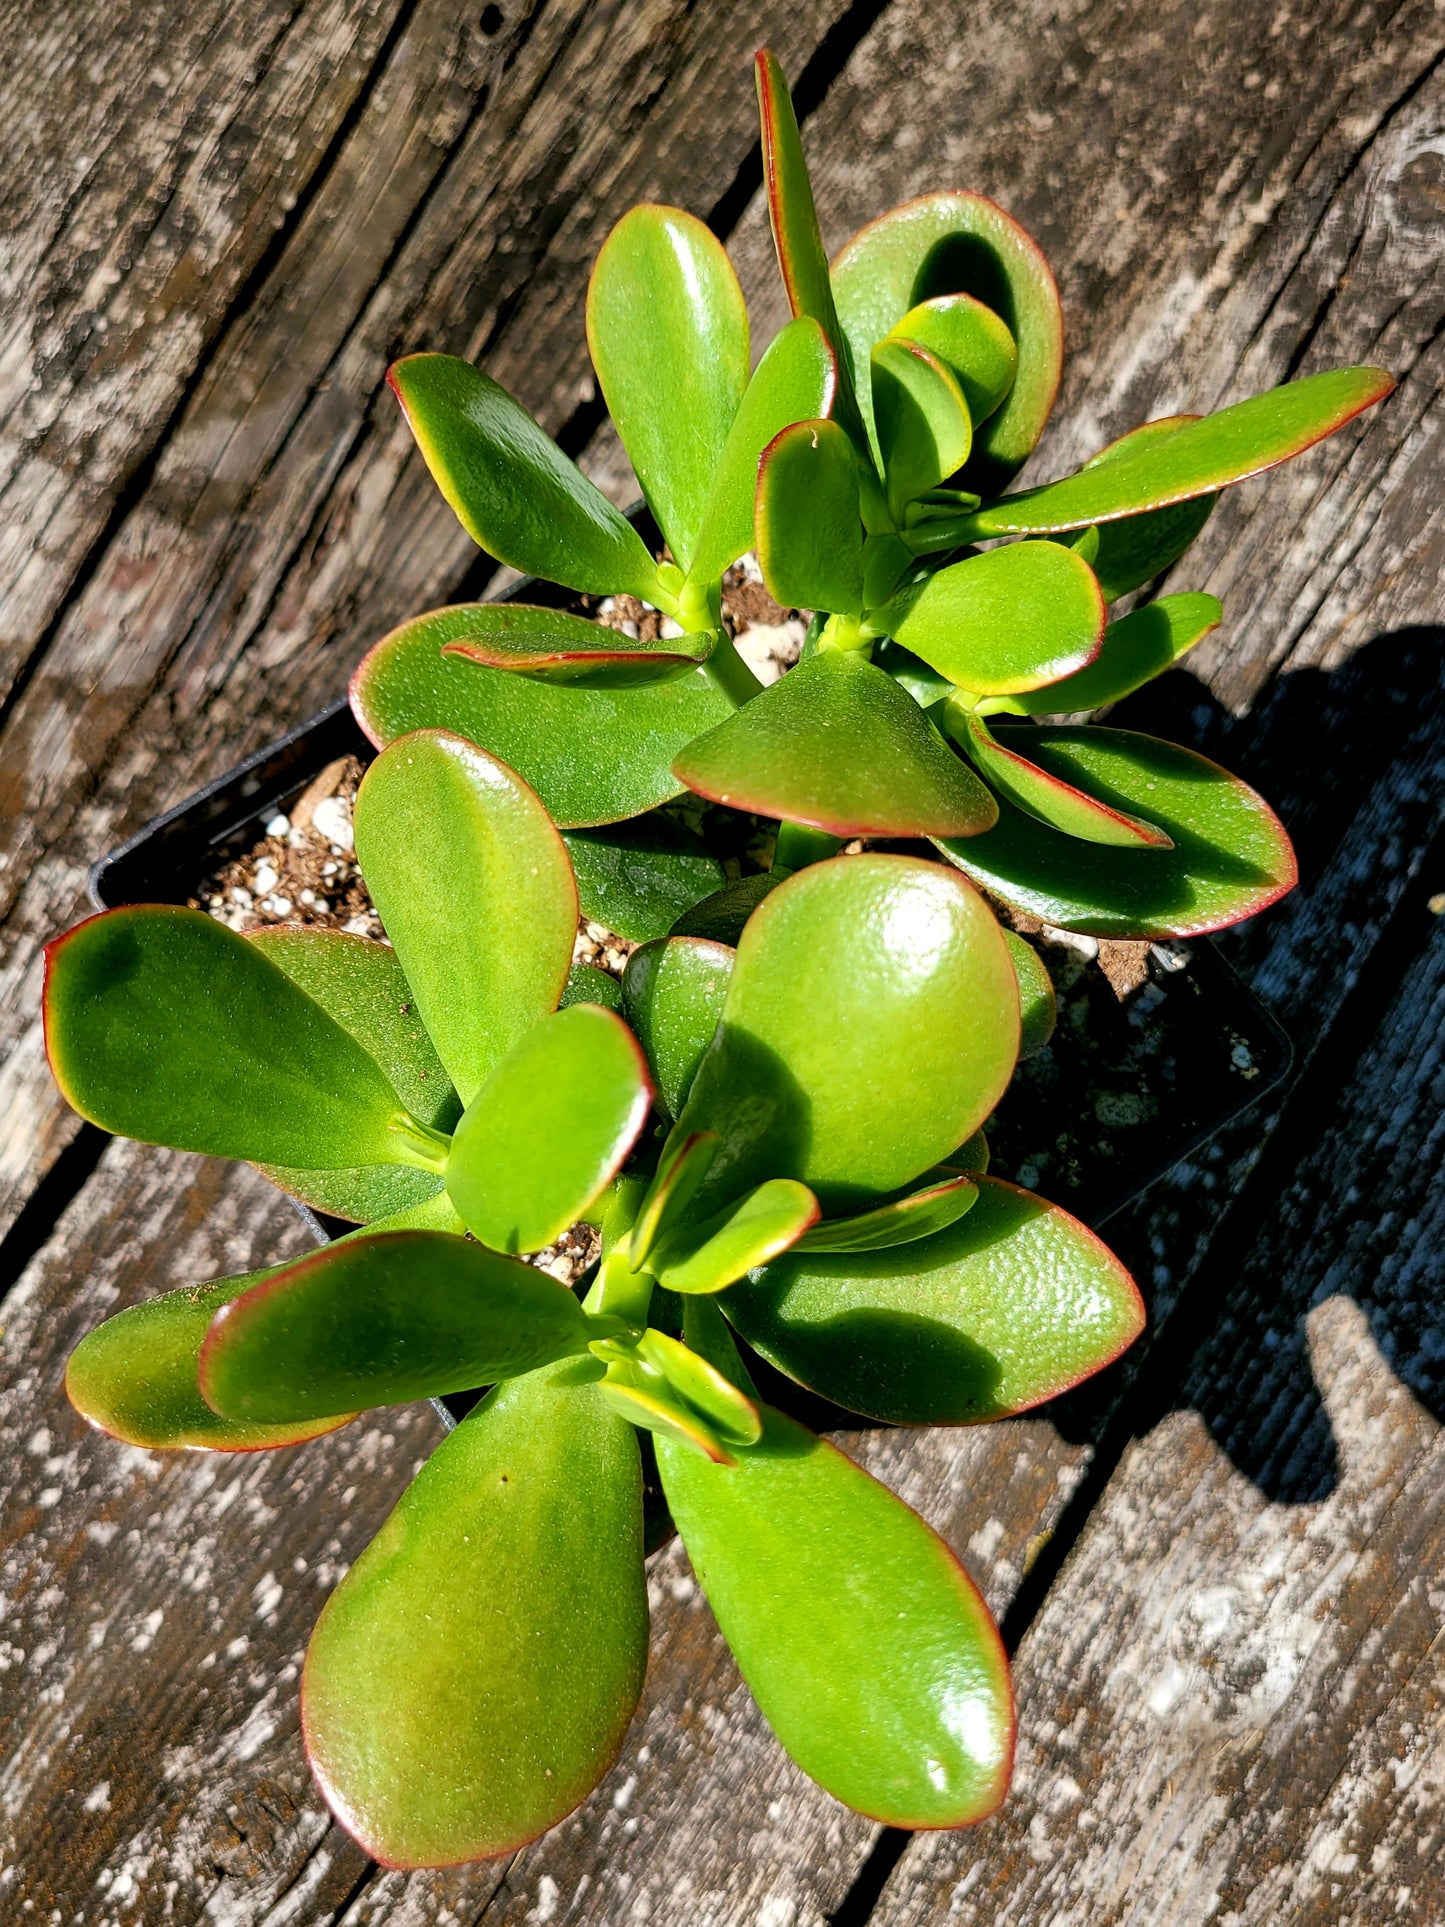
932 346
781 1139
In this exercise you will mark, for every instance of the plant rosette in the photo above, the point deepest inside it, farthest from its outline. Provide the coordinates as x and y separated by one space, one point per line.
813 1177
866 459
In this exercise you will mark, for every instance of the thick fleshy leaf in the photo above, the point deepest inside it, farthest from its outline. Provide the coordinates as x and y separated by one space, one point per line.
592 755
1136 548
1038 1004
839 745
472 1677
163 1025
474 887
586 984
638 878
1011 1305
730 1412
796 381
135 1376
645 1400
918 1215
1136 648
1231 856
969 339
719 1250
361 984
551 646
680 1171
959 243
865 1643
1197 459
1010 619
921 417
722 917
511 487
549 1129
1062 805
809 524
673 993
794 220
375 1320
870 1025
668 331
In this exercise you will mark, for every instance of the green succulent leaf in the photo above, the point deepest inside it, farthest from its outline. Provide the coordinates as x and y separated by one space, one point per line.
682 1168
645 1400
378 1319
836 1065
706 1256
1038 1005
1231 857
1009 1306
809 522
796 381
361 984
971 341
473 1675
668 331
839 745
917 1215
1062 805
948 244
549 1129
593 755
1136 648
866 1645
728 1410
1136 548
673 992
550 646
1010 619
136 1376
921 417
163 1025
511 487
1197 459
638 878
972 1155
474 887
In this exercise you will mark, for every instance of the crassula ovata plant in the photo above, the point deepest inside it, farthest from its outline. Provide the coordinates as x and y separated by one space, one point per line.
934 342
783 1138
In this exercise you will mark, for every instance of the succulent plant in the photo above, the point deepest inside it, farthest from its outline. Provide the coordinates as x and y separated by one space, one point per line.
784 1137
935 343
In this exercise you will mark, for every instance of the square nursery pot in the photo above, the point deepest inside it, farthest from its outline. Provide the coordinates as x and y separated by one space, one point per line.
1157 1045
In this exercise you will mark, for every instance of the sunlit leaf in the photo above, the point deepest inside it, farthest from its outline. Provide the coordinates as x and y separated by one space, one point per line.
592 755
707 1255
839 745
921 418
1009 1306
549 1129
1134 549
1204 455
1064 806
969 339
731 1413
809 524
918 1215
1011 619
164 1025
472 1677
1038 1004
551 646
680 1171
668 331
1136 648
474 888
638 878
1231 856
511 487
672 995
865 1644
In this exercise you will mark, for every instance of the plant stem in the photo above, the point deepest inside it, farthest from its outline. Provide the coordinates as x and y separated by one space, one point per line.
727 671
419 1144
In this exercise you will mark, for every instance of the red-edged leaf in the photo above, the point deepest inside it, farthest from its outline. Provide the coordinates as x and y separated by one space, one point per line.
1062 805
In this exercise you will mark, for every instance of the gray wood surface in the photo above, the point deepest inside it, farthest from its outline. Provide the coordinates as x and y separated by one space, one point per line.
1226 1692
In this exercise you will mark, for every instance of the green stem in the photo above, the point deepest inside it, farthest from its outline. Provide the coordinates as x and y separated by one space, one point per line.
727 671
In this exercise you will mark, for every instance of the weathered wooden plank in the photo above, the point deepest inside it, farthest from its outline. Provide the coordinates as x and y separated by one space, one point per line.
152 152
288 523
1230 1701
